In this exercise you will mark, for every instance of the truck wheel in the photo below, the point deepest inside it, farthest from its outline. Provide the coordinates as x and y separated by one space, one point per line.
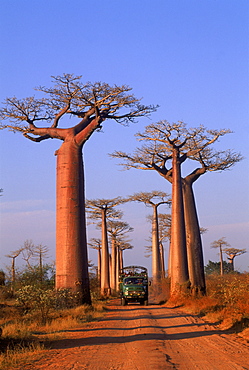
123 301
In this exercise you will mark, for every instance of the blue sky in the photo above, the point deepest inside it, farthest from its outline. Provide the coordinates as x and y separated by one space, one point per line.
190 57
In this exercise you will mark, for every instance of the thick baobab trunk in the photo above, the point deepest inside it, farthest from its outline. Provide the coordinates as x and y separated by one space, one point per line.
193 239
162 260
117 267
169 260
71 244
113 266
99 265
105 275
231 262
121 259
156 265
178 258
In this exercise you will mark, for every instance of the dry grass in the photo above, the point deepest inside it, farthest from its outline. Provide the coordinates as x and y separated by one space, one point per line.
226 303
24 337
20 355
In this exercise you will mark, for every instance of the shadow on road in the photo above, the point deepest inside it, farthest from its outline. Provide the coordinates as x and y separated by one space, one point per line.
109 332
102 340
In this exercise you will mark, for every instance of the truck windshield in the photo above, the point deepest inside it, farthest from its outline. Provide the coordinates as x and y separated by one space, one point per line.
132 280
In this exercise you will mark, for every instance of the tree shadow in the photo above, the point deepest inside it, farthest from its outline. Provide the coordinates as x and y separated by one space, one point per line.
111 334
140 327
103 340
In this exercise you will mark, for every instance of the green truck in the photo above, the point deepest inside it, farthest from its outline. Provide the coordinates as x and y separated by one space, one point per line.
133 285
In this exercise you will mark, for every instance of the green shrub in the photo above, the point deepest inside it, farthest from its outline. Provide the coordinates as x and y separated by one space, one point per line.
34 298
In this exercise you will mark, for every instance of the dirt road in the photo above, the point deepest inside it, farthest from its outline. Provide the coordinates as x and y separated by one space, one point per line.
145 338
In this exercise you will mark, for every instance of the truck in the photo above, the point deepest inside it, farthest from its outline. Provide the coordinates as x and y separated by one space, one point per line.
133 285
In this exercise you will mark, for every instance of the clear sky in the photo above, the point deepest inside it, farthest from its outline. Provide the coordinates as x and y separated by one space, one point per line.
190 57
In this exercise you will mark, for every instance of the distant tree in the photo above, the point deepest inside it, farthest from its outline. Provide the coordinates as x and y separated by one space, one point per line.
153 199
28 252
41 251
164 224
95 243
89 105
117 230
220 244
215 267
164 234
31 252
232 253
123 245
13 255
103 209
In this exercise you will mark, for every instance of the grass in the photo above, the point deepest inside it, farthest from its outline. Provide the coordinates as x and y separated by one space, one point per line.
20 355
24 337
226 303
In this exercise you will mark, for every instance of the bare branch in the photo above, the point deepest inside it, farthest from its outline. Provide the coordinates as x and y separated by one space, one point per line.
92 103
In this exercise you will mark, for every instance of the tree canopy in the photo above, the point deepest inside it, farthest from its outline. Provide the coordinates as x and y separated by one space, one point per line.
69 96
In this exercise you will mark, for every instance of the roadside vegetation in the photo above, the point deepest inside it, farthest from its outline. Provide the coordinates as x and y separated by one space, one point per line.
225 305
33 315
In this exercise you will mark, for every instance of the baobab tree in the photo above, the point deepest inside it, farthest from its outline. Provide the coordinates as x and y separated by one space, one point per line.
13 255
30 251
232 253
41 252
164 225
160 143
117 230
104 209
220 244
164 234
123 244
153 199
95 243
89 105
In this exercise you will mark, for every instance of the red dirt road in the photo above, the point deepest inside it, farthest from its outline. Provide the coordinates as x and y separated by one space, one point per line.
135 337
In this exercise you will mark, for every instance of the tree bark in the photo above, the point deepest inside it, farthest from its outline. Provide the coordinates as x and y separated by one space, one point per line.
105 271
156 265
231 261
193 239
178 258
99 265
121 259
162 260
113 265
71 244
117 267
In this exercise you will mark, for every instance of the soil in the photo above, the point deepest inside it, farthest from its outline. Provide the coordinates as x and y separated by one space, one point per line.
150 337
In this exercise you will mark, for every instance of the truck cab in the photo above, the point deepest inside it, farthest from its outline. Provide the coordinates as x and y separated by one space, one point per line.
133 285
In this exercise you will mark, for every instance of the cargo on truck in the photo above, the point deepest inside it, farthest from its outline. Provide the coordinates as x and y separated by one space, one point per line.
133 285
